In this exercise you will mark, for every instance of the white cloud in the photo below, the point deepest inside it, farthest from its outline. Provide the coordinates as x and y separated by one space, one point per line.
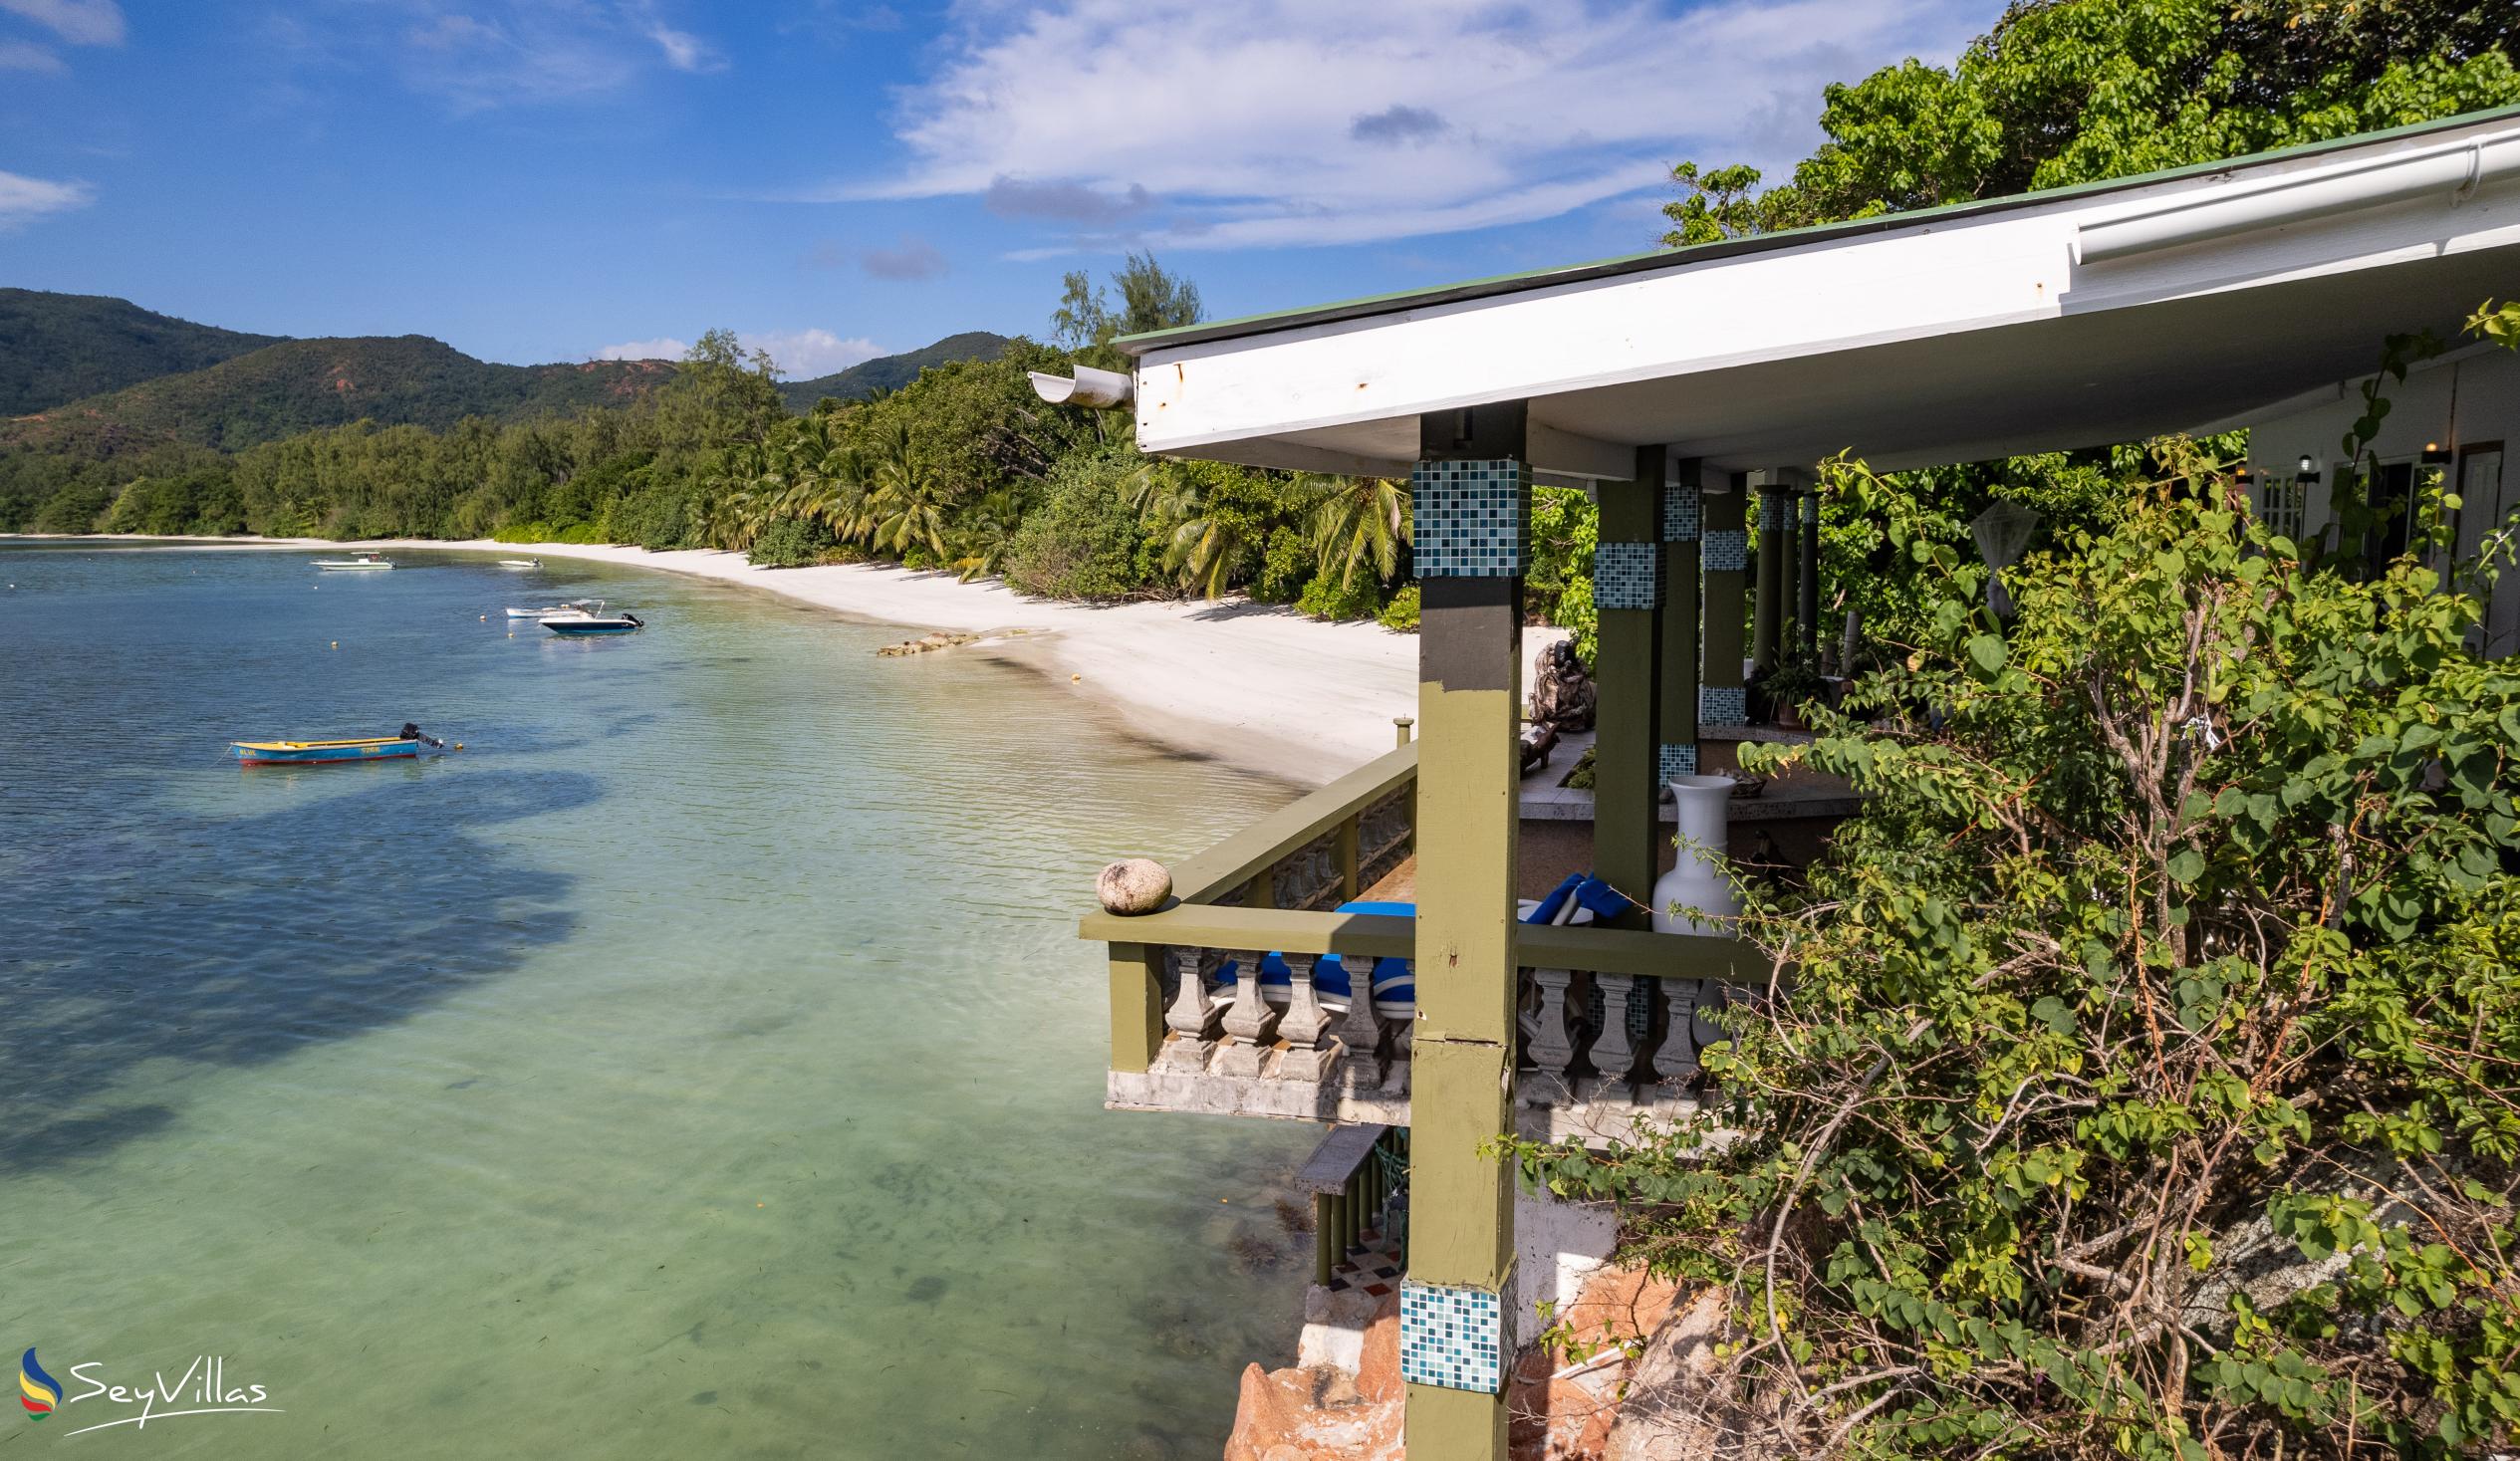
683 50
662 347
805 354
24 199
79 22
800 354
19 56
1206 125
486 55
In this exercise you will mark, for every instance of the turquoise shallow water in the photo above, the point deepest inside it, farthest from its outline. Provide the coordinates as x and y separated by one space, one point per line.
700 1063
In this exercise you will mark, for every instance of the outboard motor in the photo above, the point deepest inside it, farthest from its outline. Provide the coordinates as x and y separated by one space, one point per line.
413 732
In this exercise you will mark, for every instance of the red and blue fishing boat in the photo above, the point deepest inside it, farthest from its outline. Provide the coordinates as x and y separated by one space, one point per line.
333 753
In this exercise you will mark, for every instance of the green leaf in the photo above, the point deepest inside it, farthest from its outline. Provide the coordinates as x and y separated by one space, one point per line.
1986 651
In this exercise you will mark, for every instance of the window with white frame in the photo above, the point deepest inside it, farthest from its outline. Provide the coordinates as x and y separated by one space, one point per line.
2283 504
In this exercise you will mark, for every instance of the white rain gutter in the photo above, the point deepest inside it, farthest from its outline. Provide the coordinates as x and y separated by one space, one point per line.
1088 387
2453 172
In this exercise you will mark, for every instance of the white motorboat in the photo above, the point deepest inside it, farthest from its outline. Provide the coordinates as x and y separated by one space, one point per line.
589 617
355 561
546 611
520 562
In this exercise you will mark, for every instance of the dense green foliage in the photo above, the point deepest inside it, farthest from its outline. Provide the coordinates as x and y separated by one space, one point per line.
307 384
2142 1084
57 348
891 373
960 467
2065 92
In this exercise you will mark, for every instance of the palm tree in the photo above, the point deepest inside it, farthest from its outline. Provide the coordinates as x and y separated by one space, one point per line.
1201 544
1360 523
904 499
987 531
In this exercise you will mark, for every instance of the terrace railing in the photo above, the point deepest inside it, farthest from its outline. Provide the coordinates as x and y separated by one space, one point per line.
1611 1019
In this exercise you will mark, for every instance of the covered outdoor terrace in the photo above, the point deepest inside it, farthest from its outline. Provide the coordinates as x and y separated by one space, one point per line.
1692 393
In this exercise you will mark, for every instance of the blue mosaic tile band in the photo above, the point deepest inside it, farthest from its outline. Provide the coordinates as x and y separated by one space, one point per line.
1723 705
1452 1338
1811 507
1473 518
1776 508
1627 576
1724 553
1679 513
1675 762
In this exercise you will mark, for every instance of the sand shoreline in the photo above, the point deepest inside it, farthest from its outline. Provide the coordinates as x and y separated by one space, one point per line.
1256 685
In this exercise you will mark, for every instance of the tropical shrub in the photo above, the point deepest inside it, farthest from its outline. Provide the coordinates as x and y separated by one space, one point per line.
2142 1087
1566 527
1323 598
790 543
1085 541
1401 611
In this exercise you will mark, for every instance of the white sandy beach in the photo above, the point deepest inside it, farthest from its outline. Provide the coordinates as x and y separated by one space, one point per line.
1257 685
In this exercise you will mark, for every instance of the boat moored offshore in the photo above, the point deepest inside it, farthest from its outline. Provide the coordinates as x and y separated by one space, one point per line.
588 618
400 747
362 559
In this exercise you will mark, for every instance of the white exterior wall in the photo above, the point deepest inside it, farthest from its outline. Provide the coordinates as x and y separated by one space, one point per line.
2459 404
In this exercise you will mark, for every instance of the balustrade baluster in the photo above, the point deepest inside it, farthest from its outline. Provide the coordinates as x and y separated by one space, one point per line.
1250 1022
1547 1040
1193 1017
1312 1050
1675 1058
1360 1033
1613 1054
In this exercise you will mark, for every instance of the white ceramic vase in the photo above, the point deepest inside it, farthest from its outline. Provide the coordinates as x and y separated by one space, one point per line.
1698 880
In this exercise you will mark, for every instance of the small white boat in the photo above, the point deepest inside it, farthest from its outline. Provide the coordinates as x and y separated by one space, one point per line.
355 561
589 617
546 611
520 562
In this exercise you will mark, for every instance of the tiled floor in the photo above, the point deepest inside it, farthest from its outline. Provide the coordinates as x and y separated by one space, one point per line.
1373 1266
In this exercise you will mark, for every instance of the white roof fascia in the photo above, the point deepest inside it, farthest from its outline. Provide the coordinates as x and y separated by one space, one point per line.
1942 278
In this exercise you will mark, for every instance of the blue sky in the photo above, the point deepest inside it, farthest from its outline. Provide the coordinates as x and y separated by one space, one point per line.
559 180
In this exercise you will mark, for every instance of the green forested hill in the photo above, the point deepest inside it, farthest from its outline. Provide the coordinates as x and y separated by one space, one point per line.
892 372
57 348
303 384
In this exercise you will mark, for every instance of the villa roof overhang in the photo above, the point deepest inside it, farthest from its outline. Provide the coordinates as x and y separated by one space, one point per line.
2050 321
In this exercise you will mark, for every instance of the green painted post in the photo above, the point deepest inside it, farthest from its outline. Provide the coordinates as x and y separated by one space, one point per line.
1136 1006
1469 694
1776 532
1723 556
1684 511
1628 589
1807 561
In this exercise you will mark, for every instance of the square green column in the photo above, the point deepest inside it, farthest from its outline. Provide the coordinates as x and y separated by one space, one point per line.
1807 566
1724 571
1776 567
1471 498
1627 592
1683 514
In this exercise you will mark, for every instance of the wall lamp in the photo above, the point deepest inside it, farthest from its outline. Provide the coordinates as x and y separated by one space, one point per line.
2435 454
2308 471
